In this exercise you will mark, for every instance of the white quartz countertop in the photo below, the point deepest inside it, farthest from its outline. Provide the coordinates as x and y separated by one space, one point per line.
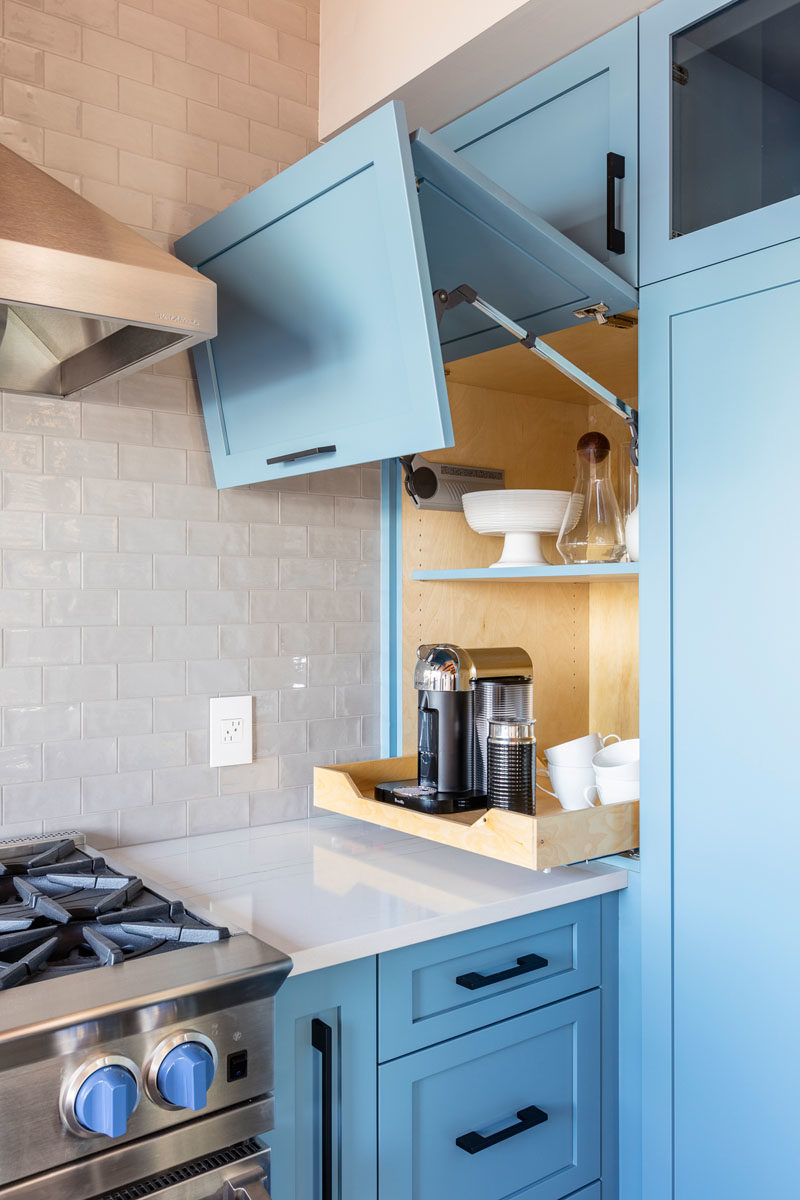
332 889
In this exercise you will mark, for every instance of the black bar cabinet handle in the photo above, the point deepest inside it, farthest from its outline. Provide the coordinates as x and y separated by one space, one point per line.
301 454
615 169
528 1118
322 1040
526 964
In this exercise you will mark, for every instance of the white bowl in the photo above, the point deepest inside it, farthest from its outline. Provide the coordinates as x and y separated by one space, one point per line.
521 515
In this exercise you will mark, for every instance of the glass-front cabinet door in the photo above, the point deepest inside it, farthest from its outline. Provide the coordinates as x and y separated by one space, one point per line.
720 131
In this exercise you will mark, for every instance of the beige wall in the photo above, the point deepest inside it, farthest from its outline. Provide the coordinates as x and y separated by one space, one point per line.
131 590
443 57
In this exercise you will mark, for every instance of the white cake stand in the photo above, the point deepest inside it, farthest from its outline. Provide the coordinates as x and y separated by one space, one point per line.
521 516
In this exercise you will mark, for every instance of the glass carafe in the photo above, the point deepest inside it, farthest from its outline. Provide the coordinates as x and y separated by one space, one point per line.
596 533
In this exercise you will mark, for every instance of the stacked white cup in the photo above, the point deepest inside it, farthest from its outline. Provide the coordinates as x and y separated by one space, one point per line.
616 773
571 771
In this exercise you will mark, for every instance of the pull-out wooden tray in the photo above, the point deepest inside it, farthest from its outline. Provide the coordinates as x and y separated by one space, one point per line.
552 838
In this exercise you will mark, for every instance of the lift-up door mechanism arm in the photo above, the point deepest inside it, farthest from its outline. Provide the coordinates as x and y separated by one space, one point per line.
467 295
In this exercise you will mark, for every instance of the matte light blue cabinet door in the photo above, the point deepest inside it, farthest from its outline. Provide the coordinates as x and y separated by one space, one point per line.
327 333
343 997
546 142
328 351
547 1060
720 132
721 1036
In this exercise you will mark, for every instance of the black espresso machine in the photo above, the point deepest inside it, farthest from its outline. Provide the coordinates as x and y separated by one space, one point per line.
459 692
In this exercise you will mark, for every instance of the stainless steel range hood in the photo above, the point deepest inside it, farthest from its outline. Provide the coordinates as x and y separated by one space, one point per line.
82 297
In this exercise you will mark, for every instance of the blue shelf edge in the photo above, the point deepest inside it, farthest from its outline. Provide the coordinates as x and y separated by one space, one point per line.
576 574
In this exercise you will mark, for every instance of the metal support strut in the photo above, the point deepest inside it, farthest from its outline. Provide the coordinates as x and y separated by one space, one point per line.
464 294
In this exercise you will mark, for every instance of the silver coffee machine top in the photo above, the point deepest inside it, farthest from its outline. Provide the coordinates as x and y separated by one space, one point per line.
446 668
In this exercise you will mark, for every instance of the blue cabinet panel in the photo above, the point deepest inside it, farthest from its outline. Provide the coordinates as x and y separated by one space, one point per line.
546 141
327 334
720 124
343 997
721 1037
490 1081
328 350
420 1000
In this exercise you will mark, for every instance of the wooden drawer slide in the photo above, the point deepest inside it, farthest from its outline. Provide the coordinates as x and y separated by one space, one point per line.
552 838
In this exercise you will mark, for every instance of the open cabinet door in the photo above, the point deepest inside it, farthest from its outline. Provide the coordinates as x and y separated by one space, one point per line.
327 332
328 351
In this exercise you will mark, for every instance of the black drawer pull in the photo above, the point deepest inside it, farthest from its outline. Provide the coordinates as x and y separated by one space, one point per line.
301 454
528 1118
322 1040
615 169
526 964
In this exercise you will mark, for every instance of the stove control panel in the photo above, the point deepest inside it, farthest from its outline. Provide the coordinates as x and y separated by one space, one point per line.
102 1097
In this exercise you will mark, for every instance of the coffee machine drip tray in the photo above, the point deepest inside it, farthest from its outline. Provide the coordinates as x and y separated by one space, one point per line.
408 794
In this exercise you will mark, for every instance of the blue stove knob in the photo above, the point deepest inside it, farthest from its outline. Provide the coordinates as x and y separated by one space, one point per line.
106 1100
185 1075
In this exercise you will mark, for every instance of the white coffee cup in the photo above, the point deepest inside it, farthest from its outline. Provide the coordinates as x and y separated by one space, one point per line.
618 762
569 785
616 792
580 751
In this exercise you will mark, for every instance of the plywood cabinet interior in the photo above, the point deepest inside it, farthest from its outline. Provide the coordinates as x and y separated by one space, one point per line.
513 411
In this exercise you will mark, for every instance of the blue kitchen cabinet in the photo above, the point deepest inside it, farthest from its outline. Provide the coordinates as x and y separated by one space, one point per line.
329 351
720 587
547 141
511 1110
720 125
325 1086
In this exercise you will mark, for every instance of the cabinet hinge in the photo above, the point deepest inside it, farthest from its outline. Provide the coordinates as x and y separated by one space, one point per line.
598 311
680 74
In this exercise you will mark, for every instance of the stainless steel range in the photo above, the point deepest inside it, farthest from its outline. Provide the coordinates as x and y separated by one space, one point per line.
136 1038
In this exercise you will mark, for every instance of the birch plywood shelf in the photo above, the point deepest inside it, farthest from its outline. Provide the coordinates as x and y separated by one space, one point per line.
552 838
543 573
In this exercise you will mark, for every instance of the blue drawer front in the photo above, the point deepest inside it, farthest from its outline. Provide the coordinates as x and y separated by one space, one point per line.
549 1060
420 1000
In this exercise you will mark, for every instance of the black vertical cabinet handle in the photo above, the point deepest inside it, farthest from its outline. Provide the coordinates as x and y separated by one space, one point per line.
525 964
615 169
322 1040
528 1118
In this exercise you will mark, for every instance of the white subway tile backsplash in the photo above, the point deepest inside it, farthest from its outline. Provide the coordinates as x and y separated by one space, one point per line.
112 718
63 684
152 679
79 533
53 798
132 590
41 493
20 764
87 756
20 530
32 647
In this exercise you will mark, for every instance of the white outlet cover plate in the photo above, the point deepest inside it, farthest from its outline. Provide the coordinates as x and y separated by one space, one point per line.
230 708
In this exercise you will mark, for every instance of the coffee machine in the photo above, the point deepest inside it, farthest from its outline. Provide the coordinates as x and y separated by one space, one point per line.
458 691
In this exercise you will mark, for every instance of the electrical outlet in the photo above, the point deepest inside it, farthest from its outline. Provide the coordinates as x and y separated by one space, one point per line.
231 731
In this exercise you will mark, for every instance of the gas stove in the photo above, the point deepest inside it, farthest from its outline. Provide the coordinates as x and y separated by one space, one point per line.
136 1037
63 910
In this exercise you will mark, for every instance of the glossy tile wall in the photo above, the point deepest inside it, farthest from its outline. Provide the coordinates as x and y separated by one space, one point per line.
132 590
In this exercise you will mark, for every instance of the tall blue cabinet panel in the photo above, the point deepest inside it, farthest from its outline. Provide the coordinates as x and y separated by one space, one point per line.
326 1039
721 824
547 141
720 124
328 349
534 1079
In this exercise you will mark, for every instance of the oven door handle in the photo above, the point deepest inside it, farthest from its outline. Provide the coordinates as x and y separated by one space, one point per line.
246 1187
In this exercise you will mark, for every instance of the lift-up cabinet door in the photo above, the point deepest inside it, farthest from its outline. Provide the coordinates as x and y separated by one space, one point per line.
328 351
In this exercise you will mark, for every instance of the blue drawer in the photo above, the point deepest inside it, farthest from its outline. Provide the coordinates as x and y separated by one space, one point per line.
535 1079
440 989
